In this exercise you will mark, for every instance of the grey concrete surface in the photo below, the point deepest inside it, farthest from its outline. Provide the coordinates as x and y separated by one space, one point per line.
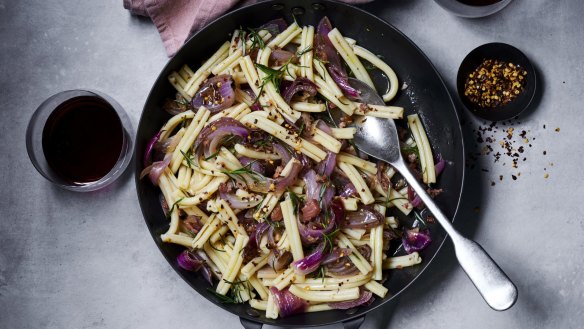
72 260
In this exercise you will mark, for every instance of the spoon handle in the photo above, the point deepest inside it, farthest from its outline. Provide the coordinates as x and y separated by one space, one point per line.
491 282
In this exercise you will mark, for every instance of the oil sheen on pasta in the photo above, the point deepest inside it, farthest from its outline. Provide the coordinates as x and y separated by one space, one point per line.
82 139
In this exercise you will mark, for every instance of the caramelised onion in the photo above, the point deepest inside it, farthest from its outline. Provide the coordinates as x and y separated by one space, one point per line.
314 231
311 262
149 147
176 106
236 202
288 303
311 185
365 297
282 183
279 259
310 210
365 217
414 240
275 26
189 261
261 229
324 127
341 267
212 135
254 165
215 94
281 56
282 152
192 224
326 166
155 170
365 250
326 52
336 254
299 85
344 186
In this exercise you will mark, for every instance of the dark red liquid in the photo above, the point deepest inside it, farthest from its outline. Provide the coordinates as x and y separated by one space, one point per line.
82 139
478 2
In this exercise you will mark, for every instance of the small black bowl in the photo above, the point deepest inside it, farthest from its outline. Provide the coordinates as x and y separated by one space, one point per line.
506 53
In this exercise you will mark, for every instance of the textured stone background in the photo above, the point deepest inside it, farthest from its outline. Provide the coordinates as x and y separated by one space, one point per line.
72 260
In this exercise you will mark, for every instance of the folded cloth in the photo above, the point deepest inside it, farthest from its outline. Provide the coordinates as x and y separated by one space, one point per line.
176 20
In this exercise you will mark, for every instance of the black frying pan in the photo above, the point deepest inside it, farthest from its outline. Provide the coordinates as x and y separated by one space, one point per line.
425 94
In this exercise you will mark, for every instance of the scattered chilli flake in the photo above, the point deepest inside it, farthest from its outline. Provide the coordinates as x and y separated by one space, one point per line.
506 143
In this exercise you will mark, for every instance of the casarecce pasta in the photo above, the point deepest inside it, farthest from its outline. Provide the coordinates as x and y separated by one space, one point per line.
271 202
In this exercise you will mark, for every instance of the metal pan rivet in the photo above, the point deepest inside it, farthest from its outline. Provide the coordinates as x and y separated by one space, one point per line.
318 6
252 312
298 11
277 6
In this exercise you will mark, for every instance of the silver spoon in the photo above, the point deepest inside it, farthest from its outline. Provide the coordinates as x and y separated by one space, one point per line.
379 139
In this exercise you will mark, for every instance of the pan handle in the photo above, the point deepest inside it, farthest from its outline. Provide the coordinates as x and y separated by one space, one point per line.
354 323
249 324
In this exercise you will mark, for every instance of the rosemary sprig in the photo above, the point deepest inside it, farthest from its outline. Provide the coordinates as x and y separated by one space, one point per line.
211 156
188 158
172 207
237 287
246 170
304 51
328 238
222 298
256 40
320 273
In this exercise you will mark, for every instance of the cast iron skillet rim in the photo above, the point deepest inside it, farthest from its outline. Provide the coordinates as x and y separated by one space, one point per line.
361 311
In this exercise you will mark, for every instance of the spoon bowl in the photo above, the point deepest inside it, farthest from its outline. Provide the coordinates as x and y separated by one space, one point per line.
379 138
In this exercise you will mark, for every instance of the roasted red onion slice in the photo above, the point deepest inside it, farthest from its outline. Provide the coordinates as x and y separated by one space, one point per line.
341 267
288 303
311 262
314 231
192 224
326 52
190 261
299 85
364 298
212 135
275 26
310 210
365 217
149 147
336 254
254 165
282 152
279 259
155 170
415 240
215 94
281 56
282 183
261 229
236 202
326 167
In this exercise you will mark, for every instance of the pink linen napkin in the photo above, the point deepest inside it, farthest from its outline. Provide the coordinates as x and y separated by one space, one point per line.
176 20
